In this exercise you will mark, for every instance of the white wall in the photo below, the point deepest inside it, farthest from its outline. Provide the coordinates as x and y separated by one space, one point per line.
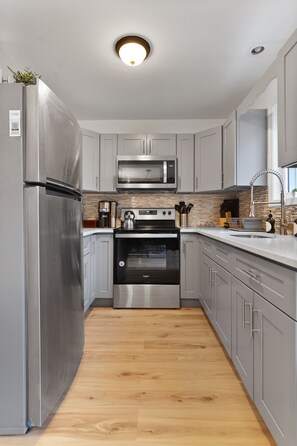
151 125
4 61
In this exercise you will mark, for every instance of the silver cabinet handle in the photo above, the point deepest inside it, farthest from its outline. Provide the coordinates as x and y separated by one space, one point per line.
209 269
179 183
143 147
249 273
150 146
96 182
243 315
196 183
212 281
255 330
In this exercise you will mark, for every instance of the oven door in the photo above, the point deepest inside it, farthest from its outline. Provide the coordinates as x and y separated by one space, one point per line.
146 258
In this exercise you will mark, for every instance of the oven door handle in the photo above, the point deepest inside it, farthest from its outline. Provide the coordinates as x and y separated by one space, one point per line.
146 235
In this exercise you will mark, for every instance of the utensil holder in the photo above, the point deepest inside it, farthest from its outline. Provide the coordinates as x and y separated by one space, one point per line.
183 220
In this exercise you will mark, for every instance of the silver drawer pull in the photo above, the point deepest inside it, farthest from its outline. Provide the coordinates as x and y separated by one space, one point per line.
249 273
255 330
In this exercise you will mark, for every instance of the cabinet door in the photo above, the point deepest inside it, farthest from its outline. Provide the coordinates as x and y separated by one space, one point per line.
161 144
188 267
92 294
87 272
207 300
90 160
108 154
229 151
220 281
242 335
185 163
132 144
199 265
275 370
104 266
287 103
208 160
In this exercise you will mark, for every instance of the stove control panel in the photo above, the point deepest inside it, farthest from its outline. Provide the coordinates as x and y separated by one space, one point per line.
151 213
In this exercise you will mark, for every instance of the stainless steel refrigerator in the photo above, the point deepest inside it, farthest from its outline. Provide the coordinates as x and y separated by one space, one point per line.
41 298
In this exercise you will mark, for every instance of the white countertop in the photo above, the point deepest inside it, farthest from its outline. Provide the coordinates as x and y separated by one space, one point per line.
279 248
91 231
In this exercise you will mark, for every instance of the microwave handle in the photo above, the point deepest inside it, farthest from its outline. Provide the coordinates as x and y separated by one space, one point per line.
165 172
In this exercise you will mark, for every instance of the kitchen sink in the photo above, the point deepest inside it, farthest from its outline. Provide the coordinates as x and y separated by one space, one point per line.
253 235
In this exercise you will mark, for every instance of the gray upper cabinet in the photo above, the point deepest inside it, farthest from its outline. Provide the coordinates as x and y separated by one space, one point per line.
188 267
208 160
244 148
185 163
162 144
108 153
90 157
287 103
132 144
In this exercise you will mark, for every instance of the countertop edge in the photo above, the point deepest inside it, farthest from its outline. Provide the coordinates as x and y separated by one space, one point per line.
92 231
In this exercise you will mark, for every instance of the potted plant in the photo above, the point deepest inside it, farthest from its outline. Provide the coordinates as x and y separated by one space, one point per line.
294 192
27 77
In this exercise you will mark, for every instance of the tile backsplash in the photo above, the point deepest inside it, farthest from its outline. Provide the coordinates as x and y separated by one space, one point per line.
206 206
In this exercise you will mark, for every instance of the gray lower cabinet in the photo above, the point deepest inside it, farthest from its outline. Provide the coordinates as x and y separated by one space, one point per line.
188 267
92 269
207 300
242 335
220 281
89 270
275 370
104 266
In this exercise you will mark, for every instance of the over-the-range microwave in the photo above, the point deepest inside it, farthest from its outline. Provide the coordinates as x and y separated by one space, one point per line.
146 172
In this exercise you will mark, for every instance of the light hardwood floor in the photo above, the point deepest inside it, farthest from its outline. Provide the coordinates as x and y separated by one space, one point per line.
152 378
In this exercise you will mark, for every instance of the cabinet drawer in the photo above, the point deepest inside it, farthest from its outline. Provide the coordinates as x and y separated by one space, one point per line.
208 247
222 255
86 245
274 282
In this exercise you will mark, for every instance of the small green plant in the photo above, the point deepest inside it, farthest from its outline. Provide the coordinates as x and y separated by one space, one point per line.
26 77
294 190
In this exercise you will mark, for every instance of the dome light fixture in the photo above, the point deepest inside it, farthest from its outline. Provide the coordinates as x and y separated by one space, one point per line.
133 50
257 50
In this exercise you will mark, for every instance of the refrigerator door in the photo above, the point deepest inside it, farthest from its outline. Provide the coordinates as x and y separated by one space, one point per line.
53 139
13 413
54 297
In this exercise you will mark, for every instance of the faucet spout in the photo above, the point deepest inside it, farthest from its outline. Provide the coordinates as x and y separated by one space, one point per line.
283 222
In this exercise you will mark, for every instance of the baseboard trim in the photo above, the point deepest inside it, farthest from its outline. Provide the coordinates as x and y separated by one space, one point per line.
190 303
105 302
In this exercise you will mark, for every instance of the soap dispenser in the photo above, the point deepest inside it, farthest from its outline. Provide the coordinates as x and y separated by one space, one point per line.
270 224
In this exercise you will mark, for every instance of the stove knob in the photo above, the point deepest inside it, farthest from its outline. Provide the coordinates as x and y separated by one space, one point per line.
164 212
169 212
121 263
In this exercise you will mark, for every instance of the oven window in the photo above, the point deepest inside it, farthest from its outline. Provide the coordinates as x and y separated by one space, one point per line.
135 172
146 261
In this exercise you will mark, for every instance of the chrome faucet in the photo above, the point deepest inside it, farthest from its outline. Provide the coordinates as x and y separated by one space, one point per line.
283 221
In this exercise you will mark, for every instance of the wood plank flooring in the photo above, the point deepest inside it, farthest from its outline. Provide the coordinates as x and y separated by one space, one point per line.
152 378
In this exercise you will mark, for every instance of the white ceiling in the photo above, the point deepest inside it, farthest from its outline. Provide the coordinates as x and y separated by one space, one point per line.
200 65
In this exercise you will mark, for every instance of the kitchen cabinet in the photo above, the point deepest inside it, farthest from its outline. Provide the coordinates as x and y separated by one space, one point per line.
185 162
151 144
208 159
188 267
108 154
244 148
104 266
89 270
263 328
90 160
287 103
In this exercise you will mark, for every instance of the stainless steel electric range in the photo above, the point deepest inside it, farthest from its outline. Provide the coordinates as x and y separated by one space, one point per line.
147 260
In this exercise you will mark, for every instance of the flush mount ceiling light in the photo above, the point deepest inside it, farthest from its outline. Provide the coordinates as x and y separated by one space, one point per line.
133 50
257 50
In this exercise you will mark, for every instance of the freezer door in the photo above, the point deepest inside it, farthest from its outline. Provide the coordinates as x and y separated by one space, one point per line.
54 297
53 139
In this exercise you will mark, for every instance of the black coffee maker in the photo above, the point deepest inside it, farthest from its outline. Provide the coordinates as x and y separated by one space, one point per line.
104 214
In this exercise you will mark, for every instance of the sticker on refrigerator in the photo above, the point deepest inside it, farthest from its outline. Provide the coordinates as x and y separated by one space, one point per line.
14 122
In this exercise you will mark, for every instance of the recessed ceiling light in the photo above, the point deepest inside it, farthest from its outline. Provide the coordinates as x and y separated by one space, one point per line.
133 50
258 50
